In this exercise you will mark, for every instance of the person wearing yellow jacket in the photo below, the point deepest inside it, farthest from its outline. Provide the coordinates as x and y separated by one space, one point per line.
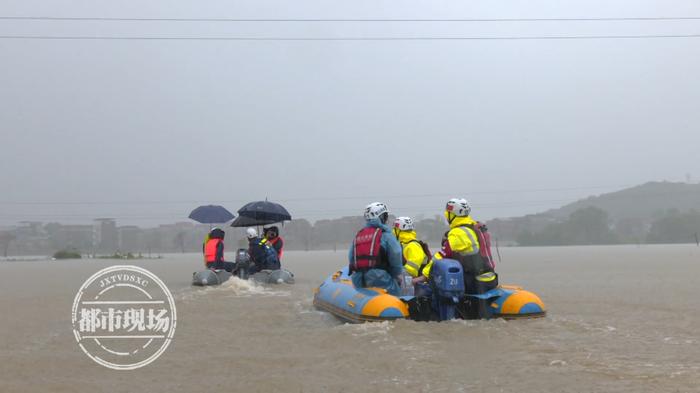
415 253
462 243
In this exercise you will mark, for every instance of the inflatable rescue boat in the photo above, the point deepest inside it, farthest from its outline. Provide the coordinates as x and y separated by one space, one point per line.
210 277
338 296
216 277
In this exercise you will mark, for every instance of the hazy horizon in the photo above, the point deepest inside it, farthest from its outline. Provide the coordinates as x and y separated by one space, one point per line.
144 131
151 222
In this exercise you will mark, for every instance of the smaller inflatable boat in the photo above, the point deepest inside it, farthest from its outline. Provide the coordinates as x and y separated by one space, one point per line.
210 277
338 296
280 276
242 270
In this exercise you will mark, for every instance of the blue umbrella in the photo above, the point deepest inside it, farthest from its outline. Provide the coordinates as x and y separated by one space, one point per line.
211 214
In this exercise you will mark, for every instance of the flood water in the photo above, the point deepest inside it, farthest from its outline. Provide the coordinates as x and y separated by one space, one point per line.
621 319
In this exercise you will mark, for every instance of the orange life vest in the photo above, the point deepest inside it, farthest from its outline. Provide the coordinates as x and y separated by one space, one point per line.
273 242
210 250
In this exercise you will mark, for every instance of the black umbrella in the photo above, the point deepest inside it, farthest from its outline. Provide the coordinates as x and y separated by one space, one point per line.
211 214
243 221
261 213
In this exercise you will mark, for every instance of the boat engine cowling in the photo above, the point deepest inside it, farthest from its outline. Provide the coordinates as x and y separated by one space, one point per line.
243 262
447 284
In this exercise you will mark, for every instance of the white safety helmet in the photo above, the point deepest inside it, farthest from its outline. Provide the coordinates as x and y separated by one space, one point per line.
375 210
404 224
251 233
459 207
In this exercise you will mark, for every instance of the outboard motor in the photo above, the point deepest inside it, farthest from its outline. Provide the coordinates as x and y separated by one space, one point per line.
447 282
243 262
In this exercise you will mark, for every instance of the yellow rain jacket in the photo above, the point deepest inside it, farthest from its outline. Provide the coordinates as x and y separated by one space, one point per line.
461 240
204 245
463 245
413 255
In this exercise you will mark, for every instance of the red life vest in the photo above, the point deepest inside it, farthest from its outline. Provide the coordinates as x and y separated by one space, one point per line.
486 248
367 249
273 242
484 239
210 250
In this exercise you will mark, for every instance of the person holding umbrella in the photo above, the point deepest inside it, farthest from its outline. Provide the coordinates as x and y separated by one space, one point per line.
265 251
214 251
273 238
264 257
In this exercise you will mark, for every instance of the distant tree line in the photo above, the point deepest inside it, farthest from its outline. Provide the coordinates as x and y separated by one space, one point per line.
584 226
6 238
592 225
675 227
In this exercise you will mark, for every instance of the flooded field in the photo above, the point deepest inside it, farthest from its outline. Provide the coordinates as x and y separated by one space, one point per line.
621 319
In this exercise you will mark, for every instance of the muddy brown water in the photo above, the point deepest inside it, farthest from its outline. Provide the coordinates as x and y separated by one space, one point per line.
621 319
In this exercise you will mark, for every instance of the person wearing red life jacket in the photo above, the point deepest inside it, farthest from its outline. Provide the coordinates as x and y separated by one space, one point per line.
273 239
264 257
466 243
214 251
375 254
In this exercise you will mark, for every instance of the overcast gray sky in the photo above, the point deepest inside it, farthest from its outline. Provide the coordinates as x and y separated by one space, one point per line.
146 130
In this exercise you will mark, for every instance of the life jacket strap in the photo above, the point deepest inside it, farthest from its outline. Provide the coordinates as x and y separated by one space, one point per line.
486 277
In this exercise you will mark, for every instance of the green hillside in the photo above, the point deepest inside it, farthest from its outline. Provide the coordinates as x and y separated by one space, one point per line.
646 201
655 212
